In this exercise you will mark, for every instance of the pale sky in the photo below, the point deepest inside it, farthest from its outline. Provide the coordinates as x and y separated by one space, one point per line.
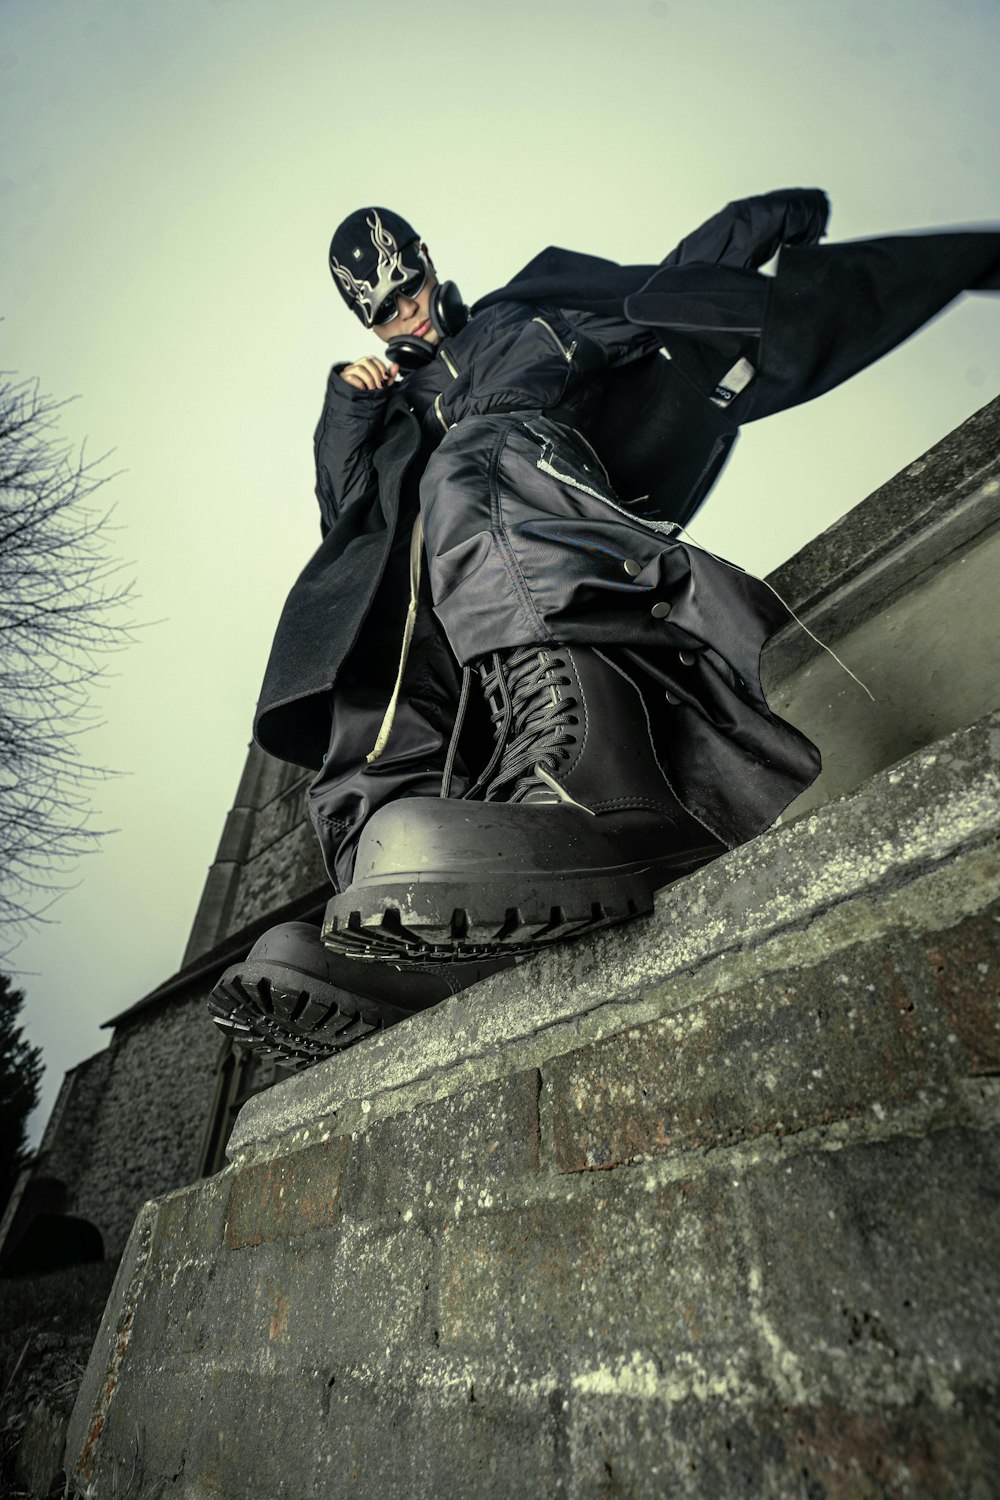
170 175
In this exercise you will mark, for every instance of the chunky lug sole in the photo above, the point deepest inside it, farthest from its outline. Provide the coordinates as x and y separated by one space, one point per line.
293 999
280 1011
439 881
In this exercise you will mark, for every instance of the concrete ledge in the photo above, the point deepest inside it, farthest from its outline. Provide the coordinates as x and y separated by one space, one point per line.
908 821
941 503
902 589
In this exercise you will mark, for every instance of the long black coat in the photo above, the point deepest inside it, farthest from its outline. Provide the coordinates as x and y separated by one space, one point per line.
828 312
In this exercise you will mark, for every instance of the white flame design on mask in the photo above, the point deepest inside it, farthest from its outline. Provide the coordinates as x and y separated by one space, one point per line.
389 273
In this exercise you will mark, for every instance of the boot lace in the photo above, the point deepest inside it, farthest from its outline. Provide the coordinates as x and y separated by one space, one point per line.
531 720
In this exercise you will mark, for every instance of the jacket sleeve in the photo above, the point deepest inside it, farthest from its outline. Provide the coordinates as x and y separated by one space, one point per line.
749 231
345 442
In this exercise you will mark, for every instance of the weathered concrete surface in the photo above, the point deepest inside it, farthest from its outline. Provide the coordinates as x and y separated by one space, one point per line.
931 511
267 855
903 590
929 659
704 1207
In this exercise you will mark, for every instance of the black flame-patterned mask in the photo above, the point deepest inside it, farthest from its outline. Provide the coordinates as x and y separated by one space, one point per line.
372 254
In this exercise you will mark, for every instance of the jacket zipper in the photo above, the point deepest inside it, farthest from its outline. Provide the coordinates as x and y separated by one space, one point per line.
567 354
440 414
449 363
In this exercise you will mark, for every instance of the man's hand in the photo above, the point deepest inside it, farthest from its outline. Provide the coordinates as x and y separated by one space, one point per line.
370 374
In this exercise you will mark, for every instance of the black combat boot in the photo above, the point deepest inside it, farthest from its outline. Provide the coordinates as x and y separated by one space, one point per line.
292 997
572 825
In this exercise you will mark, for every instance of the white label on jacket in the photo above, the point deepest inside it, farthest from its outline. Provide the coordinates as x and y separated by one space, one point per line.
735 380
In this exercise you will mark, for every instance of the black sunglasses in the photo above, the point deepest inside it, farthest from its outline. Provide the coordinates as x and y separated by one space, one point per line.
388 307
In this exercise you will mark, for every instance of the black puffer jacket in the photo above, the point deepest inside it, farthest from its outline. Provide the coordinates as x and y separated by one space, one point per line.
511 357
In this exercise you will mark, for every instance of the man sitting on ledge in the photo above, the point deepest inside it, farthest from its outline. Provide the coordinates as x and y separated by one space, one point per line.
529 703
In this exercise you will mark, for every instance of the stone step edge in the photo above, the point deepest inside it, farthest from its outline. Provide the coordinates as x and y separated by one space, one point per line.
970 521
927 491
905 822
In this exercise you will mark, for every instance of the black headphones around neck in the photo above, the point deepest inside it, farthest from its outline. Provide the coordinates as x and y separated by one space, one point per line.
448 314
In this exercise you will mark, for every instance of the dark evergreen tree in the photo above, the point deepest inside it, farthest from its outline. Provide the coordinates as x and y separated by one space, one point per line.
20 1073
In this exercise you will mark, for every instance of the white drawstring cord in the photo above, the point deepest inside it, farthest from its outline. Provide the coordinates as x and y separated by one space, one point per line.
801 623
416 552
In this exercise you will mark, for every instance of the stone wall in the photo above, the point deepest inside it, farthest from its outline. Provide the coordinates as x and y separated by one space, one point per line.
49 1184
149 1133
702 1206
267 855
283 861
66 1145
131 1122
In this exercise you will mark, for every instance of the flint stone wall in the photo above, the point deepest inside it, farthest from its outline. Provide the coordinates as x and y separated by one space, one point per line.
148 1133
283 861
49 1184
267 857
63 1144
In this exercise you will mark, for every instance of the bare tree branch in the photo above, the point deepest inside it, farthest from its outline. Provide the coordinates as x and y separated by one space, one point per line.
62 597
